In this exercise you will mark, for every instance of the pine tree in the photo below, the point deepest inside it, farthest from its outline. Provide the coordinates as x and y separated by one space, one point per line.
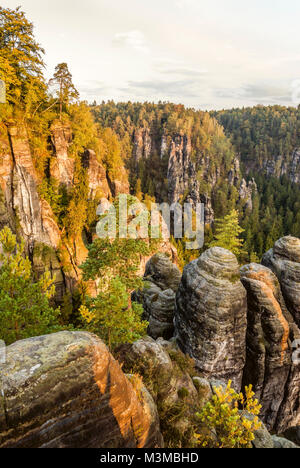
21 62
227 234
66 89
24 304
138 190
113 317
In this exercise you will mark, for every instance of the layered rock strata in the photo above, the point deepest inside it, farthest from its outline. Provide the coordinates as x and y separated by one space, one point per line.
211 315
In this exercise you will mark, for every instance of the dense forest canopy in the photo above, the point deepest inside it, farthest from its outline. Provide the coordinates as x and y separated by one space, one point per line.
261 133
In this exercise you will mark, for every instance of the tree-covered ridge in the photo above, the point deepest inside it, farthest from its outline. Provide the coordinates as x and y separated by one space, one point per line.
261 133
211 150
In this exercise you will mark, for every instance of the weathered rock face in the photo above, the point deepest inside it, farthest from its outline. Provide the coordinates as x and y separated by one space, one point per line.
269 367
295 167
284 261
98 184
119 185
182 172
276 166
62 167
67 391
246 192
34 216
158 296
167 374
142 144
22 209
162 272
281 165
211 313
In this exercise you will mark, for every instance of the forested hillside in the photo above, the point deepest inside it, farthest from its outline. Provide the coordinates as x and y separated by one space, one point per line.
265 137
264 142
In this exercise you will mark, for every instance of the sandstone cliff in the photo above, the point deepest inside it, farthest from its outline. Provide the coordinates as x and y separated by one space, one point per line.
191 178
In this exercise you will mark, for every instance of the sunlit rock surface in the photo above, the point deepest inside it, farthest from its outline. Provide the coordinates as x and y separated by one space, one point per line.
66 390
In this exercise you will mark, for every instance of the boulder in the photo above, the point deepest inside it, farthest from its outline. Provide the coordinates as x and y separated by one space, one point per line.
168 375
211 315
162 279
66 391
280 443
263 439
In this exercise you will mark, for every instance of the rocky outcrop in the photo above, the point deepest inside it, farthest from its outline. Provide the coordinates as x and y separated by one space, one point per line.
182 176
210 315
246 192
162 279
98 185
162 272
235 172
270 333
284 261
281 443
34 217
168 375
276 166
120 184
295 167
142 145
281 165
66 391
62 166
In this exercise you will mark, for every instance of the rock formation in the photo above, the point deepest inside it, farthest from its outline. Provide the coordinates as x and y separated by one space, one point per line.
295 167
246 192
182 172
270 333
210 315
20 185
167 374
62 166
66 391
142 144
284 261
158 297
98 184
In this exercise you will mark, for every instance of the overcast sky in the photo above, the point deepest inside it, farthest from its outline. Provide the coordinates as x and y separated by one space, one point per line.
207 54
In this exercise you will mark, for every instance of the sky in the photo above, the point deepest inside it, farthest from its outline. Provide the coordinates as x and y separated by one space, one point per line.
206 54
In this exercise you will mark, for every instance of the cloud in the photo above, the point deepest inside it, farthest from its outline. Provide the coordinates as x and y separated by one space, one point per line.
261 93
133 39
178 88
94 88
185 3
185 72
